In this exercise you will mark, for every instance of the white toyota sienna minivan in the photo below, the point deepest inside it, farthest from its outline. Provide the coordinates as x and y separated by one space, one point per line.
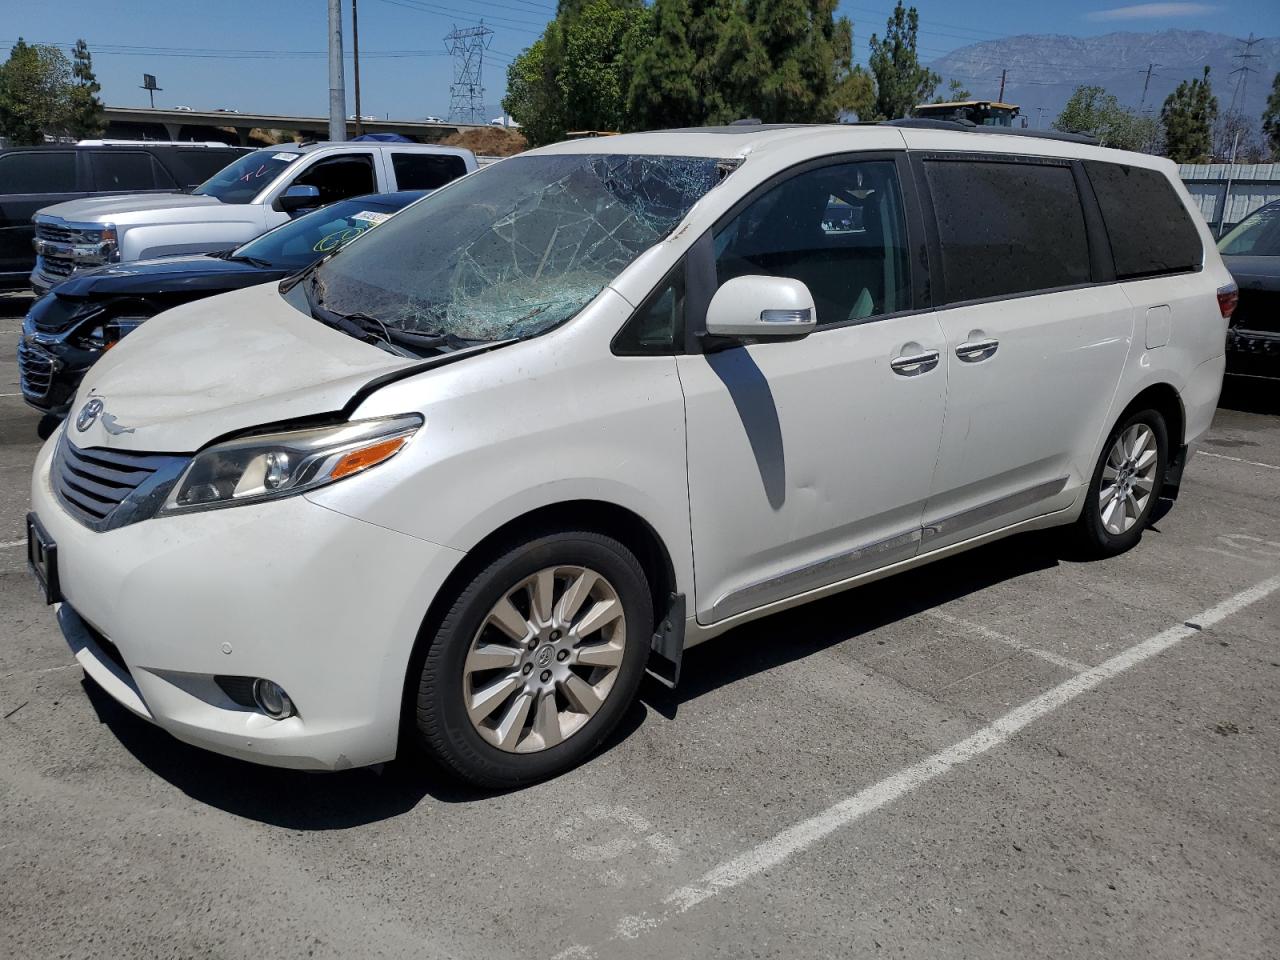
461 484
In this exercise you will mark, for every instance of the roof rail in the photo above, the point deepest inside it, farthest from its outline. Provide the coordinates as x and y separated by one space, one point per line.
968 127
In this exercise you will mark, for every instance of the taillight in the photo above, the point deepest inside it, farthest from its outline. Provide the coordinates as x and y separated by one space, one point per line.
1228 297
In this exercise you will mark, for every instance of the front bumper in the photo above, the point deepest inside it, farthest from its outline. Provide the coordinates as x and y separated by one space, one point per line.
327 606
50 368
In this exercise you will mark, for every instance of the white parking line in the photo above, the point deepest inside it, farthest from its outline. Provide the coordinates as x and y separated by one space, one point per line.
1223 456
989 634
805 834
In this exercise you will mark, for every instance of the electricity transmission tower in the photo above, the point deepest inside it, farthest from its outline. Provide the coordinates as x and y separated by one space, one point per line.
1241 73
1151 69
466 93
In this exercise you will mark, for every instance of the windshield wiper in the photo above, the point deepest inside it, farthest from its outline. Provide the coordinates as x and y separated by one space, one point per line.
252 261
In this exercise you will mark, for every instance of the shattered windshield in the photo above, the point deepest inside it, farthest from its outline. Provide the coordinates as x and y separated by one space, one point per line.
513 250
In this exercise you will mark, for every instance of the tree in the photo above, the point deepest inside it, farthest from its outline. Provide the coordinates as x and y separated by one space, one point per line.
901 81
577 74
601 46
33 92
957 92
1188 115
533 97
1093 111
1271 119
664 92
796 54
84 109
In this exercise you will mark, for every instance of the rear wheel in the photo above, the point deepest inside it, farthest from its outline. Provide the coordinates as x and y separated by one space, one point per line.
536 660
1126 484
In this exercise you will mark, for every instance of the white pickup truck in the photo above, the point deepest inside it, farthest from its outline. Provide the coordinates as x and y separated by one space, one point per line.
254 193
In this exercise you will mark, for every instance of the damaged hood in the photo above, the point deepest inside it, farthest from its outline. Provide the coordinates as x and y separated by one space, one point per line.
220 365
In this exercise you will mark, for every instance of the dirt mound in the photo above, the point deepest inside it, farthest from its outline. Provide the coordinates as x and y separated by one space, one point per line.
489 142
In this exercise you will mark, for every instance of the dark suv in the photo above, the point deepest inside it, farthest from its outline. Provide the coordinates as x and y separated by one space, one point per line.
32 178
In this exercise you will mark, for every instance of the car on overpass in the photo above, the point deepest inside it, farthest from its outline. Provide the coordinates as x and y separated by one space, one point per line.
70 327
257 191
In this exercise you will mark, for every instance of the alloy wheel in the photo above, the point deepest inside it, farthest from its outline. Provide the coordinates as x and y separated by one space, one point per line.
1128 478
545 658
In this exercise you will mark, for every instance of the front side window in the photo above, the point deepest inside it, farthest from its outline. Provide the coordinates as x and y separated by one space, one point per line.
40 171
838 229
514 250
657 328
244 179
426 171
1257 235
1150 230
1007 228
340 177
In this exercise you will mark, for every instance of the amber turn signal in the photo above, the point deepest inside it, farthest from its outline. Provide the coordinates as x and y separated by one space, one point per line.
366 457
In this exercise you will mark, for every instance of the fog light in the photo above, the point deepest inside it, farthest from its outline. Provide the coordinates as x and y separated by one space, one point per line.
272 700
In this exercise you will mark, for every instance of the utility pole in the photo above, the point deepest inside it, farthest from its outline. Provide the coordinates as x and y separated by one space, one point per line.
1002 76
1039 113
355 62
1151 68
337 89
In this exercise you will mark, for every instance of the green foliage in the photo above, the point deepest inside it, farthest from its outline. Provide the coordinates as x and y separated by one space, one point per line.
1271 119
1093 111
84 109
957 92
623 65
901 81
1188 115
577 75
601 46
34 93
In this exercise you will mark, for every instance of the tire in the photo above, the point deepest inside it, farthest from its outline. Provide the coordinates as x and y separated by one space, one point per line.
475 650
1101 531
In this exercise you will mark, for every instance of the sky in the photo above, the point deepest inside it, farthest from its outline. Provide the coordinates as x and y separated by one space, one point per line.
269 55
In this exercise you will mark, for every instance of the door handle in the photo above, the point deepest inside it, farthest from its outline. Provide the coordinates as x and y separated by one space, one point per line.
914 364
974 351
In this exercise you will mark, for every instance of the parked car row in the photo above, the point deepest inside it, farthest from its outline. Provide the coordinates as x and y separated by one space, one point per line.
454 488
32 178
112 262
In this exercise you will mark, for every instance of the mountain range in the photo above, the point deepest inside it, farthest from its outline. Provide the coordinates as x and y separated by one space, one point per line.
1044 69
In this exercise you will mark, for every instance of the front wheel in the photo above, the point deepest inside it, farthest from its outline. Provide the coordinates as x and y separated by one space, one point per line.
1126 484
536 660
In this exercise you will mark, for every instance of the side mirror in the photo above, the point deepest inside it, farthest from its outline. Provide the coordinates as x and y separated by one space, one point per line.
761 307
296 197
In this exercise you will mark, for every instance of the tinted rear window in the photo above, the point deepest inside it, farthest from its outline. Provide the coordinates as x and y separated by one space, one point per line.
193 167
422 171
126 170
1150 229
40 171
1007 227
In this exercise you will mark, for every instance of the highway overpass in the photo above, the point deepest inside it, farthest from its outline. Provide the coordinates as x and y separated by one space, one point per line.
147 123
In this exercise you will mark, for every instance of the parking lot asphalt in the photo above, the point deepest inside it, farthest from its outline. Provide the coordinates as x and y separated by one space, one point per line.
1011 753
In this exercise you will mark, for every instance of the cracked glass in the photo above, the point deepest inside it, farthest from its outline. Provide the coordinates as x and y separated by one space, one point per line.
516 249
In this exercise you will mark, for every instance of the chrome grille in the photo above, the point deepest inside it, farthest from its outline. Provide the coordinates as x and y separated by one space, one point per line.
55 267
35 370
48 231
92 483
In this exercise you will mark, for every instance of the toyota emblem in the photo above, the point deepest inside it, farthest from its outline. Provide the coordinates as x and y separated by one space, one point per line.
88 414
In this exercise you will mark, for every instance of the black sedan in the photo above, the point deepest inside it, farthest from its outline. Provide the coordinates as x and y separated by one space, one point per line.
70 327
1252 253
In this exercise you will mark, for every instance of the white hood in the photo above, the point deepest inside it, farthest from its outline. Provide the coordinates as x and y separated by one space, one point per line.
219 365
143 207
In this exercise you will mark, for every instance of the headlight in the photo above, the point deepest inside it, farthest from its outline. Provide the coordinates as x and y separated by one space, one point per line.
270 466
